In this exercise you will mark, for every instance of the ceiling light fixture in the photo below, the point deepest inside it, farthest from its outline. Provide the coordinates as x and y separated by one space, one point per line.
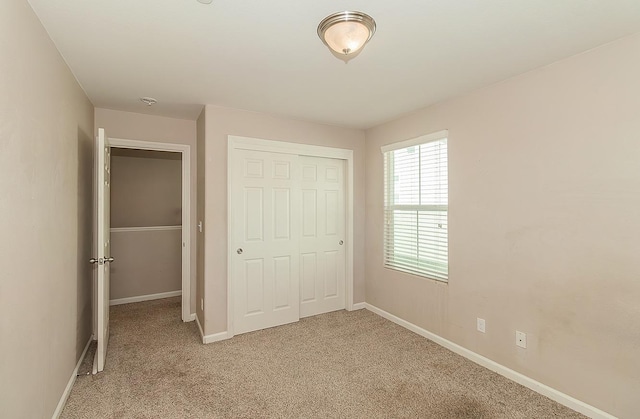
346 32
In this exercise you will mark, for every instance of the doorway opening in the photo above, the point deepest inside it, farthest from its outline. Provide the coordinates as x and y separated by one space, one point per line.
159 216
146 225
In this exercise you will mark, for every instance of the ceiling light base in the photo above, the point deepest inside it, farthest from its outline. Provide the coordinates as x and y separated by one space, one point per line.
149 101
346 33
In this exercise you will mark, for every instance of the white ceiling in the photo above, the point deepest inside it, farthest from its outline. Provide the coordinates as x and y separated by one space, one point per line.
265 55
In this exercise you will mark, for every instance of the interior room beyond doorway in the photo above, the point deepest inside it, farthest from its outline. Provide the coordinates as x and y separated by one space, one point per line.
146 225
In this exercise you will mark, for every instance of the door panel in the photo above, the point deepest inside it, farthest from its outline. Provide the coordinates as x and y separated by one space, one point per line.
332 213
309 276
282 275
331 276
254 203
281 214
265 199
254 286
309 213
322 243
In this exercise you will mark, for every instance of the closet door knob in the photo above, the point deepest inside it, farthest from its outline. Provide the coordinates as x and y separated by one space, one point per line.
340 242
239 251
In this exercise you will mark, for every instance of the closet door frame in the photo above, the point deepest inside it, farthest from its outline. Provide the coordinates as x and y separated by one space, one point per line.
256 144
185 151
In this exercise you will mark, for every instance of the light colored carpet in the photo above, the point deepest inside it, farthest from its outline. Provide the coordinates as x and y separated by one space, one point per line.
337 365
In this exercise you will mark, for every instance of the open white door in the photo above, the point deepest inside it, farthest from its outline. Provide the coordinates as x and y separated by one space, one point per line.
103 257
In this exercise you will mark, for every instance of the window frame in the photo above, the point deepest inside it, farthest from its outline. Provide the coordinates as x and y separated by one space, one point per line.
390 209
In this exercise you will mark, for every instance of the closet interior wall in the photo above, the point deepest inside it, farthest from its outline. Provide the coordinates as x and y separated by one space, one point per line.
146 231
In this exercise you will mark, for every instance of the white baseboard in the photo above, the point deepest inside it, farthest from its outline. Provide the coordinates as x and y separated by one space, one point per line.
358 306
519 378
216 337
72 381
147 297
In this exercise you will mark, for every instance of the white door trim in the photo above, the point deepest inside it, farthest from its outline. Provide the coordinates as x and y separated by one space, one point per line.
186 208
256 144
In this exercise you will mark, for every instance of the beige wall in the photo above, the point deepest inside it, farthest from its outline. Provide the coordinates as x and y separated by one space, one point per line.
146 262
200 128
135 126
221 122
146 191
544 173
46 158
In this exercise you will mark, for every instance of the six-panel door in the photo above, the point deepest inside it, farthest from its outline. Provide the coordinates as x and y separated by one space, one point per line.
322 250
266 194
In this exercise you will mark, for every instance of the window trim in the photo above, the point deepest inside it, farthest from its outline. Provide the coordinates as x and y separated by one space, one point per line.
423 139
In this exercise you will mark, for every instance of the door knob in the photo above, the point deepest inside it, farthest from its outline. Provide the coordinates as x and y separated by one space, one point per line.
340 242
101 261
239 251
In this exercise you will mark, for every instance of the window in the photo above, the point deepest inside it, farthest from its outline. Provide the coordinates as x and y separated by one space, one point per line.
416 206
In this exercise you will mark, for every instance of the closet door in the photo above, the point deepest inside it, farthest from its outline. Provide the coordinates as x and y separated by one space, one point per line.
103 257
265 193
322 249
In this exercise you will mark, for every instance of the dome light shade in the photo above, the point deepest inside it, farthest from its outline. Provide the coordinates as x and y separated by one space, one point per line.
346 32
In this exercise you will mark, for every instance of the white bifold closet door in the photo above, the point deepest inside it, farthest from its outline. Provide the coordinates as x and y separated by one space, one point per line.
265 196
288 238
322 254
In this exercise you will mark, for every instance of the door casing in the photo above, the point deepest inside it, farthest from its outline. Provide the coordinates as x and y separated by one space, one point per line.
256 144
185 150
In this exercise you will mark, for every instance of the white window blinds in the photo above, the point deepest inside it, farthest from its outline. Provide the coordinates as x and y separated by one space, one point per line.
416 206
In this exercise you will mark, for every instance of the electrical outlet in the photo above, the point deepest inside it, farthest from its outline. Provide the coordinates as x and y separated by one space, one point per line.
480 325
202 304
521 339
